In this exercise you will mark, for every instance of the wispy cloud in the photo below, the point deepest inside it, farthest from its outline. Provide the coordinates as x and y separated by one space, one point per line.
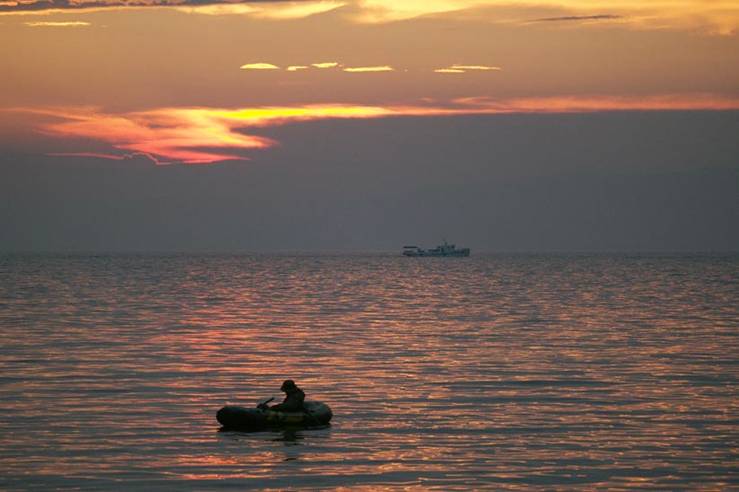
591 104
259 66
267 9
319 66
484 68
271 9
111 157
58 24
325 65
714 16
468 68
579 18
207 135
380 68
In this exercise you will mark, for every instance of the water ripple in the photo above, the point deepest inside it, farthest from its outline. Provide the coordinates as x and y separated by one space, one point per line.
492 372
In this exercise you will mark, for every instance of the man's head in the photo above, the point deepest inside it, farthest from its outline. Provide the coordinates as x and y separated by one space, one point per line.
288 385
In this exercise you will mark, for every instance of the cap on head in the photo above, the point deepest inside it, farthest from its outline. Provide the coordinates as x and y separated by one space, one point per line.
288 384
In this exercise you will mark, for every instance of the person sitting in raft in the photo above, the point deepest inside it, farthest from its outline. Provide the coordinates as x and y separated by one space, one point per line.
294 398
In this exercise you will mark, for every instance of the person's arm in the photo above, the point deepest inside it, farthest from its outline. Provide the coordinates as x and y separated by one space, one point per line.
293 403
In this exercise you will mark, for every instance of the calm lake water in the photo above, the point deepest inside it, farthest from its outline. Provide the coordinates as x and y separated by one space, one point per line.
490 372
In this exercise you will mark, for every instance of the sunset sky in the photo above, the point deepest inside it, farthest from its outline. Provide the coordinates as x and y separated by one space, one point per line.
240 89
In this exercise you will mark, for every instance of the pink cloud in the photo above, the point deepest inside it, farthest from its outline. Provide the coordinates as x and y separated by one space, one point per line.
207 135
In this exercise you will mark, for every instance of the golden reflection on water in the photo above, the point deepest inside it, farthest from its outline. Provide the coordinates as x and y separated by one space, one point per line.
488 372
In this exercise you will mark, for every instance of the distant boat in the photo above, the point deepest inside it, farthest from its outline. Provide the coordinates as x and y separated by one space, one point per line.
441 250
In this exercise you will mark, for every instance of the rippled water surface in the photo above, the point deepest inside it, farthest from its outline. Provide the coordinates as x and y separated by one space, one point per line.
489 372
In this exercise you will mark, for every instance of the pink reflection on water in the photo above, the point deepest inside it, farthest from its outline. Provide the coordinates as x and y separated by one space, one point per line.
496 372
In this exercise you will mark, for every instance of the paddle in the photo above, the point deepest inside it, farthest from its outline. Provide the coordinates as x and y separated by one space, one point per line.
263 404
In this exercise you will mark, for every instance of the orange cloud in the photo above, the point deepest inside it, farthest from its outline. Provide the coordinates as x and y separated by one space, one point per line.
207 135
165 135
275 10
588 104
264 9
112 157
716 16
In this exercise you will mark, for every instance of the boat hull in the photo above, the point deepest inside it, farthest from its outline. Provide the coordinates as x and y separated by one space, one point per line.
241 418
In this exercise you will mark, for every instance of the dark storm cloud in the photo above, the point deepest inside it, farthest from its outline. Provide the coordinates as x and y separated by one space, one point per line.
40 5
579 18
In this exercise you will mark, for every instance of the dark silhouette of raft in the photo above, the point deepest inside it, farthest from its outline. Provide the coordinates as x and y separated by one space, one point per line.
314 414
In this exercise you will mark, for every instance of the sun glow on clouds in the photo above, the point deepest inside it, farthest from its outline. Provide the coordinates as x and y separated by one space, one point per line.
474 67
367 69
164 135
467 68
271 10
58 24
259 66
712 16
715 16
382 68
266 10
393 10
325 65
207 135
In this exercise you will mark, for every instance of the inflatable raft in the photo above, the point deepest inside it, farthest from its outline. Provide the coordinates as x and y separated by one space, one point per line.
315 414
